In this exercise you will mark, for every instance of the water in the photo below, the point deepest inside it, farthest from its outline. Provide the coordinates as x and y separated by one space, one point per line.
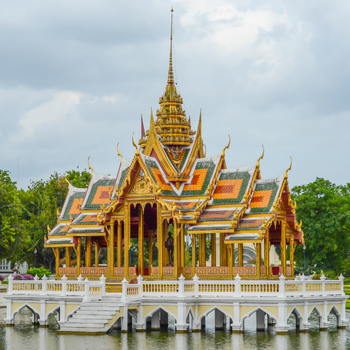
24 336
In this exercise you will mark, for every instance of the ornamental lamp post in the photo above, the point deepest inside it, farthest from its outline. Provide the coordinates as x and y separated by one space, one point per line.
304 250
35 254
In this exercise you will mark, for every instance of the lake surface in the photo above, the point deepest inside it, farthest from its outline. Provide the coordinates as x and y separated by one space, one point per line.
24 336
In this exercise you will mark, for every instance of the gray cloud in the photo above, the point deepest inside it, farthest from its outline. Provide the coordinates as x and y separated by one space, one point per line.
75 77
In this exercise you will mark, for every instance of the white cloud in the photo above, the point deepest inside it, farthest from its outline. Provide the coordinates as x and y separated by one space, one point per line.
57 109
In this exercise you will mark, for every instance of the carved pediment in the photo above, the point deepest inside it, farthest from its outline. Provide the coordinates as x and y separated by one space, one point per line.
141 185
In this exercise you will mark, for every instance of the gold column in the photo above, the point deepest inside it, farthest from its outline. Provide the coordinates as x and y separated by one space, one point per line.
283 248
78 256
97 253
126 238
88 251
233 254
182 239
230 258
176 248
200 249
291 256
140 241
110 251
160 241
193 254
57 256
222 249
119 244
150 251
67 256
267 252
165 237
240 254
213 248
258 259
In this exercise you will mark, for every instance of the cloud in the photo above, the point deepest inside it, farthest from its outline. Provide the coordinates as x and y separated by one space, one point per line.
76 76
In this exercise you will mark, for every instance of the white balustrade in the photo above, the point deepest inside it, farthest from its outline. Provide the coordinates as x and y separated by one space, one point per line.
93 289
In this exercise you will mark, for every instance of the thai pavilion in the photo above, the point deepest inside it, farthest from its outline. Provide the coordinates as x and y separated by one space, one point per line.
171 181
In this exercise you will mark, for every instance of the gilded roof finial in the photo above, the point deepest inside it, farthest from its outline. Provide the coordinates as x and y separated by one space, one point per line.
171 73
92 170
290 167
227 147
121 157
65 177
133 143
262 156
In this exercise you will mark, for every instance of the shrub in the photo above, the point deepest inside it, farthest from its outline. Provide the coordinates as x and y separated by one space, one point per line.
2 278
316 276
331 275
40 271
5 282
27 277
17 277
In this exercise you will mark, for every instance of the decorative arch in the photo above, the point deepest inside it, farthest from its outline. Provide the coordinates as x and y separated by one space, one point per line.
296 313
255 310
150 314
319 313
211 310
334 310
21 308
57 308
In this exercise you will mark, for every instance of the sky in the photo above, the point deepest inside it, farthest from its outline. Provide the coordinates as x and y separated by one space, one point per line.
75 77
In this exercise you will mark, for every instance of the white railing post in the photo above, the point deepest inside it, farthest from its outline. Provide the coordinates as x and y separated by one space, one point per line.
86 289
238 285
103 281
9 290
181 286
341 279
302 278
124 289
80 279
64 285
44 284
323 279
195 280
282 288
139 282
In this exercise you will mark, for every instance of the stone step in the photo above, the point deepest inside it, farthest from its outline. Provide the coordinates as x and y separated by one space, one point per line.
92 317
100 313
82 325
98 308
82 330
88 320
110 305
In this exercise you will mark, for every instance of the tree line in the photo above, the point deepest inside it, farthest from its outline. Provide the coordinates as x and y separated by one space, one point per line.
322 206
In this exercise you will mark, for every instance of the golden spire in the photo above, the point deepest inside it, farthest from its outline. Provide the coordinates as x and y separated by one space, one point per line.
171 124
171 73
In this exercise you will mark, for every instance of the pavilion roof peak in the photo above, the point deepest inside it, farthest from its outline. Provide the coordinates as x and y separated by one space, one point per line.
172 125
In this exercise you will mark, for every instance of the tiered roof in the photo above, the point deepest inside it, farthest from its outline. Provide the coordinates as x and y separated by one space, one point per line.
171 166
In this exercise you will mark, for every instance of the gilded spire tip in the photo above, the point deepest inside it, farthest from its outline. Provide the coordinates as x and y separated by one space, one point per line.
171 72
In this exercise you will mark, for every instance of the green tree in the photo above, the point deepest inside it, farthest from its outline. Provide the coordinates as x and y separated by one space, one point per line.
13 229
324 209
41 201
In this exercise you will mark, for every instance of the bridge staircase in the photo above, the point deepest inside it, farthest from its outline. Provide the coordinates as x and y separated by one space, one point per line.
93 317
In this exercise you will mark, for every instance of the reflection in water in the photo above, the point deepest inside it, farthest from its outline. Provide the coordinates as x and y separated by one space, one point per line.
25 336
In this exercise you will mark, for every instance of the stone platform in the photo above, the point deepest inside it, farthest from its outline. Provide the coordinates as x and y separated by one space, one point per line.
84 307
